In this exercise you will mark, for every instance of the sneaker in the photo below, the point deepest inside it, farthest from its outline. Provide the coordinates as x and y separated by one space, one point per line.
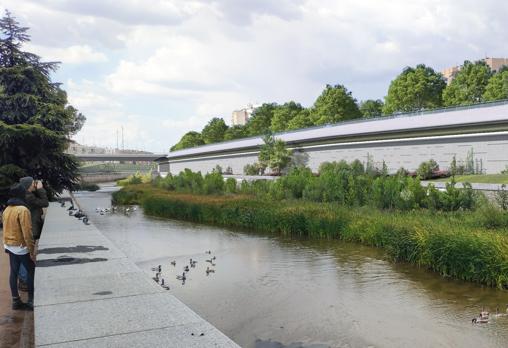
22 286
17 304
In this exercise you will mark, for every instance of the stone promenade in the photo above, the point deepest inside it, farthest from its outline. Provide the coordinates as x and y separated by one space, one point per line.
89 294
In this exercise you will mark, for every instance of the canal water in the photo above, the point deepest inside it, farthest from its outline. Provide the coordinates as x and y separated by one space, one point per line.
268 292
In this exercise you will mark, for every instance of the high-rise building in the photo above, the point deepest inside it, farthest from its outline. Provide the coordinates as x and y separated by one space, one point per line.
494 63
240 117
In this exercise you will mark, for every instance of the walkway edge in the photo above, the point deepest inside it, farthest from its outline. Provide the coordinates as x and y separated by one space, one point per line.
90 294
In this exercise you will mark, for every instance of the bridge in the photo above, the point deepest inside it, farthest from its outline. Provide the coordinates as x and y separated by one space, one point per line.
138 157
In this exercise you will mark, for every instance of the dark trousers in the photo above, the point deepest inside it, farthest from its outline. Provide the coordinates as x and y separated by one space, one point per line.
16 261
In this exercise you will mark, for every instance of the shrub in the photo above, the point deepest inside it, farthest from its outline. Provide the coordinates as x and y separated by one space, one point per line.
501 197
294 182
491 217
85 186
230 186
213 184
426 169
254 169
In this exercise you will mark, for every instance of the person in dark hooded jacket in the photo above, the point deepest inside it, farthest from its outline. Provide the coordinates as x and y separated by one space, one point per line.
36 199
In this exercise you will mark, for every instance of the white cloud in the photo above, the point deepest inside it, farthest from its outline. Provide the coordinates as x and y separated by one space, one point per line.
76 54
181 62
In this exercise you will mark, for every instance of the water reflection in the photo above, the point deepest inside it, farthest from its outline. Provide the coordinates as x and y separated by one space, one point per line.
272 292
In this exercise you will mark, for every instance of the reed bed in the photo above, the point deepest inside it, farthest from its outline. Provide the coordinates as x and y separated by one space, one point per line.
453 244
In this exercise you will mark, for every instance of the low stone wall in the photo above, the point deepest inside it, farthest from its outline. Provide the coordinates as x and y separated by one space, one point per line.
94 178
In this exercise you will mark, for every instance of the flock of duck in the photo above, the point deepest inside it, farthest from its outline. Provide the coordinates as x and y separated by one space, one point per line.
485 316
186 269
77 213
80 214
113 209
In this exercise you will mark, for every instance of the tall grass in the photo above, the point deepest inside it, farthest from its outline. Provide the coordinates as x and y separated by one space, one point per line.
452 244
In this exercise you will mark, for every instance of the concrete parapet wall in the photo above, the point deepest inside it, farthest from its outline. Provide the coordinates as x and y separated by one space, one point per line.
489 152
89 294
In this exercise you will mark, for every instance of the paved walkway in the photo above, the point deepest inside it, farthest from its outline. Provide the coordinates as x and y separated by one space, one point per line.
89 294
480 187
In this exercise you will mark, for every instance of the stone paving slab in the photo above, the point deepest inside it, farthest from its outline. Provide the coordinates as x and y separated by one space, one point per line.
89 250
88 268
113 316
72 240
185 336
94 296
94 288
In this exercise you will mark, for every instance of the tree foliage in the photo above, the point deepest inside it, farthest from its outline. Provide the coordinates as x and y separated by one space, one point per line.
468 84
235 132
273 154
36 120
302 120
261 119
335 104
283 114
415 89
497 87
214 131
189 139
371 108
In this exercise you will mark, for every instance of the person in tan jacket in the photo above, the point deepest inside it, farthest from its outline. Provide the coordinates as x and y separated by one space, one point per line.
19 244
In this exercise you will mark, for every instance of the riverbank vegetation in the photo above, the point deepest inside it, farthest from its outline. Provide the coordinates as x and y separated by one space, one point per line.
454 232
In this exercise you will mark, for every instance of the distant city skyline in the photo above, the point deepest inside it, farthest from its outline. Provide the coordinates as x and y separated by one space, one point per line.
167 68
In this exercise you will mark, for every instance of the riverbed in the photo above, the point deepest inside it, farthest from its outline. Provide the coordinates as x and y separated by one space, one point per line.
268 292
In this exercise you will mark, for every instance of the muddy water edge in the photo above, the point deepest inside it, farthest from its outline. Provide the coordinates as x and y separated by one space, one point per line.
273 292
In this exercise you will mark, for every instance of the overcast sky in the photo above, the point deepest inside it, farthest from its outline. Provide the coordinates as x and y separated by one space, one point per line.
163 67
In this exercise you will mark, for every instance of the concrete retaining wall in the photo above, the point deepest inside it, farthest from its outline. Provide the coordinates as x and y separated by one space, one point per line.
490 154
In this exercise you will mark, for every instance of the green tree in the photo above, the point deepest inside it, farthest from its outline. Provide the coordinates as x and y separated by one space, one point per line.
335 104
302 120
415 89
189 139
371 108
468 85
36 120
261 119
273 154
214 131
235 132
497 87
283 114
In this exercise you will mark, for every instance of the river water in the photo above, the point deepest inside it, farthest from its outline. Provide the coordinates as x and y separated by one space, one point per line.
269 292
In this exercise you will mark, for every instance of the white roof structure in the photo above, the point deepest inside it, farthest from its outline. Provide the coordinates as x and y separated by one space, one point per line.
450 118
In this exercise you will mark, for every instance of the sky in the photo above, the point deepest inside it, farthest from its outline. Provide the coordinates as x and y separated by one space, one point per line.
160 68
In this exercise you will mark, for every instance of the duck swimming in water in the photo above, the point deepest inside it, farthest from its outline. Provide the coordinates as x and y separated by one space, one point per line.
181 277
186 269
209 270
173 263
480 320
